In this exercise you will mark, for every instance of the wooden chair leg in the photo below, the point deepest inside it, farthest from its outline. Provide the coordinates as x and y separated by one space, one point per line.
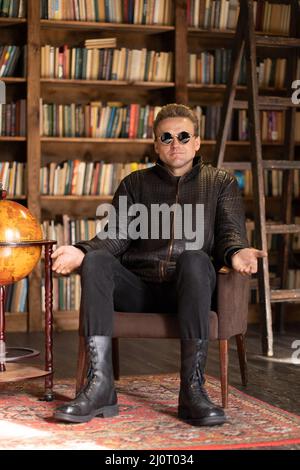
223 351
241 349
115 358
81 364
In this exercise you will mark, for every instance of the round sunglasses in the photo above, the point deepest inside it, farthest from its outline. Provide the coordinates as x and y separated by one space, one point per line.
183 137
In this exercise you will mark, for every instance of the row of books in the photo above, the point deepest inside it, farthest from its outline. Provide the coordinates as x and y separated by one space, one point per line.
206 14
272 124
213 68
223 15
13 8
112 11
106 64
66 293
69 231
13 178
9 56
114 120
76 177
272 182
13 119
16 297
99 120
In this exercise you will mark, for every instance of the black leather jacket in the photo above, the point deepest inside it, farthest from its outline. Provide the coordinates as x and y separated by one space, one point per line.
154 260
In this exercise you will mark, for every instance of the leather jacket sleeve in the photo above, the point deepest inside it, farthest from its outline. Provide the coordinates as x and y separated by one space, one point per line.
230 227
116 239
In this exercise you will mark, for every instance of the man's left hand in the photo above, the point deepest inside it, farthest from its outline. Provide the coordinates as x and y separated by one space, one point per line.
245 261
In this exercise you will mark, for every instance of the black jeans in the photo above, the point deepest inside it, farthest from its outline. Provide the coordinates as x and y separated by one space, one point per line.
108 286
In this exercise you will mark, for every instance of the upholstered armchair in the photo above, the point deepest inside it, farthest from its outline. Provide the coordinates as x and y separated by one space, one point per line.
228 318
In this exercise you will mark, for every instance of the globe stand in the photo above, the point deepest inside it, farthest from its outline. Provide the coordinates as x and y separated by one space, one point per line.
9 371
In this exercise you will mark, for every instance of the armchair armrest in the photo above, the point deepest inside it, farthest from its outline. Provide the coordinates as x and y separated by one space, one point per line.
232 302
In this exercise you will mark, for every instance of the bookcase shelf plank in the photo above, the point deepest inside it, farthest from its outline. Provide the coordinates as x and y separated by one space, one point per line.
262 37
213 88
10 80
93 25
94 140
17 198
4 22
4 138
46 198
77 206
16 322
109 83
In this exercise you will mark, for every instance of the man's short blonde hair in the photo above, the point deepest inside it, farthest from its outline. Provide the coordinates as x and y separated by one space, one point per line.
174 110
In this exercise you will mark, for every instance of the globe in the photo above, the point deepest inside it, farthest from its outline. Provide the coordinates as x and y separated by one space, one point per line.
17 224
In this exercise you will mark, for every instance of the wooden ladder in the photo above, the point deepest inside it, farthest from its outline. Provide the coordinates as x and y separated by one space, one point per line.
246 40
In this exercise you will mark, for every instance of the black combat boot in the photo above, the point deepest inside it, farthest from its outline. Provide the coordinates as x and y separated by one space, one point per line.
98 397
195 406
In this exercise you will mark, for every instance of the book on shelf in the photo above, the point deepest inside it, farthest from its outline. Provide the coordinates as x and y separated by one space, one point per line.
13 119
79 63
9 58
103 43
16 297
66 293
150 12
13 178
13 8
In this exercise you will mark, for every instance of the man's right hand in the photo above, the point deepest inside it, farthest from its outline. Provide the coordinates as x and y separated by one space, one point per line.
66 259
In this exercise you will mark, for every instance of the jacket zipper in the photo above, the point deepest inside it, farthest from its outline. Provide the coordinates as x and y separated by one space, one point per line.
170 248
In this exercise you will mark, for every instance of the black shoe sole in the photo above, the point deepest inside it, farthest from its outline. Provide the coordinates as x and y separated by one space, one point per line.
205 421
104 412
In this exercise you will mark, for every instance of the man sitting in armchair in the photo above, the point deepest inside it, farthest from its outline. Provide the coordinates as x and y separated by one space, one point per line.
135 265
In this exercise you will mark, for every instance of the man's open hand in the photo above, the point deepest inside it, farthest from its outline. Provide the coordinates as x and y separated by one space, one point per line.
245 261
67 259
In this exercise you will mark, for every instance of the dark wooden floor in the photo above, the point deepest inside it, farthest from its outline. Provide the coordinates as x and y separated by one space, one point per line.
273 382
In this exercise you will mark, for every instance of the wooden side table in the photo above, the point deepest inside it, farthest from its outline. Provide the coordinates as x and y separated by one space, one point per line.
10 370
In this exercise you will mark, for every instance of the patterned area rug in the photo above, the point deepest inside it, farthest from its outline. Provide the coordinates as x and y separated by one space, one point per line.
147 420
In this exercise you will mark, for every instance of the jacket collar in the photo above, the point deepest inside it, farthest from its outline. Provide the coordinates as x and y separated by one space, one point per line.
164 173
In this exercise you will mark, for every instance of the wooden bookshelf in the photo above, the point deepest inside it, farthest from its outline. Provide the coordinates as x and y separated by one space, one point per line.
179 39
